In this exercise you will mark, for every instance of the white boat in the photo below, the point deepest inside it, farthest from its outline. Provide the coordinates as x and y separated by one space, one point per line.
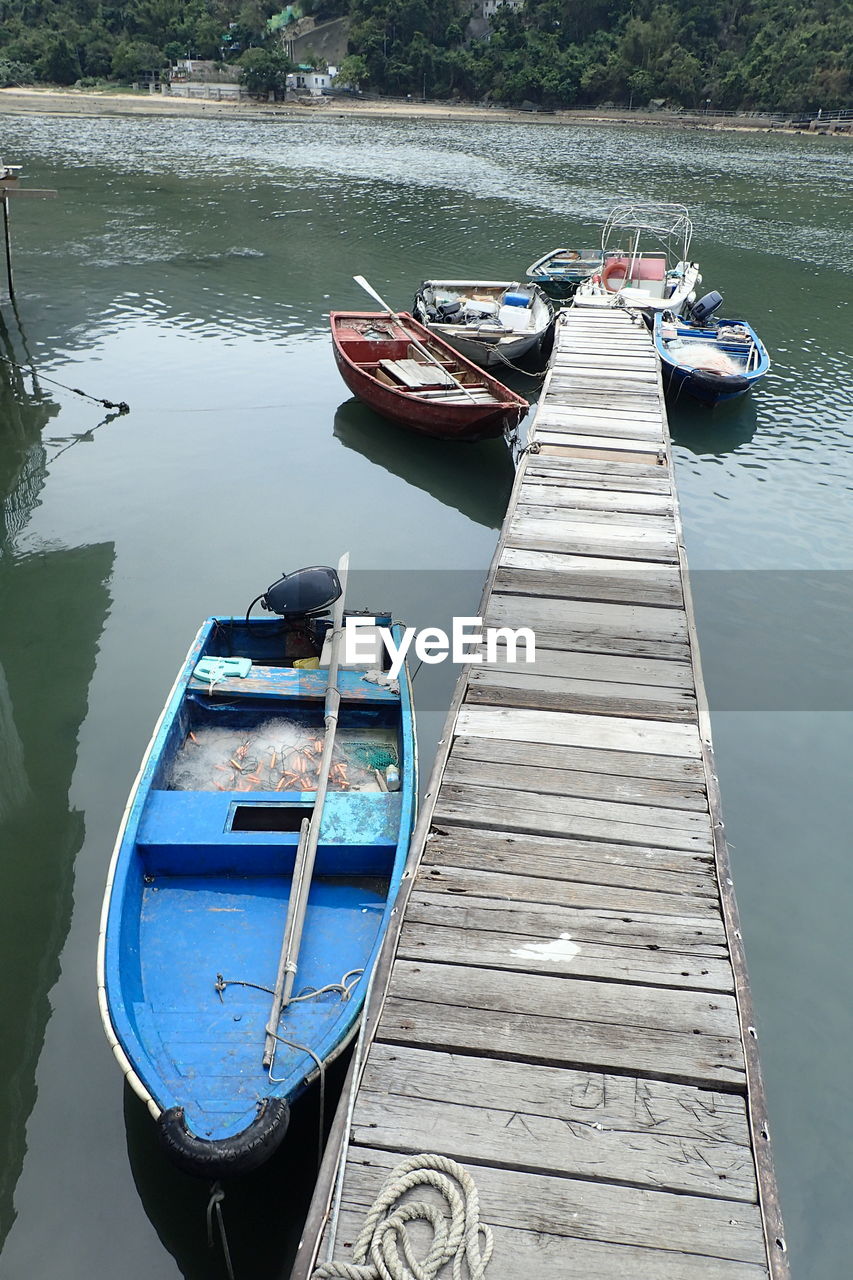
646 263
489 322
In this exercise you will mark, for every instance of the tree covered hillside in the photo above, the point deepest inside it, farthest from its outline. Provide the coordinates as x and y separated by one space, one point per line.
726 54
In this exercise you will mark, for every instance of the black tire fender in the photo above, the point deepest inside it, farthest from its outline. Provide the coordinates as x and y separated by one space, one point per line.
224 1157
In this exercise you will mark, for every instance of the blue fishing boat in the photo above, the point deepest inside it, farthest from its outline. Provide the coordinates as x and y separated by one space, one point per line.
707 358
559 271
255 870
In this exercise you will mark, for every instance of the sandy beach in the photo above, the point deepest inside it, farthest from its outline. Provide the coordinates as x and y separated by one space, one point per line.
78 102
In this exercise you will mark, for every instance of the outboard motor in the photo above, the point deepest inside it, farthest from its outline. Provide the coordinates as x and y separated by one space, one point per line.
302 594
300 599
704 308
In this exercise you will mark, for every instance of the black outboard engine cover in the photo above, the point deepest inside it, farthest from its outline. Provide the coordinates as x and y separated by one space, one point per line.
303 593
704 308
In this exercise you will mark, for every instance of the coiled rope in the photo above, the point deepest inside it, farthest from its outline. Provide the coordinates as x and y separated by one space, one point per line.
384 1234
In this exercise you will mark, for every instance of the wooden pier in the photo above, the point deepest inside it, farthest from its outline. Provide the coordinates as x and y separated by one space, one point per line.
563 1007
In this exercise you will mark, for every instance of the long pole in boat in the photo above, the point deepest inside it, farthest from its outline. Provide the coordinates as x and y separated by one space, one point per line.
309 834
419 346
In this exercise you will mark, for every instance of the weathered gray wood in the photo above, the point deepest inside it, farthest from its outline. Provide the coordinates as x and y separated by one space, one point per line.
628 428
554 435
562 496
472 806
582 537
580 1212
661 1137
618 586
585 944
552 615
612 516
541 1253
572 859
697 914
686 1037
605 763
566 729
565 858
578 467
557 693
547 781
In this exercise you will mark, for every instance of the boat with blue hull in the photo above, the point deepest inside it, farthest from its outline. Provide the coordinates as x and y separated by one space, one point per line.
255 871
710 359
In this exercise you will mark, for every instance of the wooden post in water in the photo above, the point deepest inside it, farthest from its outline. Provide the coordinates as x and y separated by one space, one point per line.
9 187
7 240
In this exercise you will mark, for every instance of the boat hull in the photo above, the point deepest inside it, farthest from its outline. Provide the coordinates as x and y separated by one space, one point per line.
199 885
712 363
489 410
480 340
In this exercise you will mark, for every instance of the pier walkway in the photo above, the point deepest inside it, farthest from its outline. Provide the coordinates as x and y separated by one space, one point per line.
566 1013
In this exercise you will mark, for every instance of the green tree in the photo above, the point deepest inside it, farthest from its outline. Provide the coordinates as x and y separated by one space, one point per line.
134 58
264 71
353 71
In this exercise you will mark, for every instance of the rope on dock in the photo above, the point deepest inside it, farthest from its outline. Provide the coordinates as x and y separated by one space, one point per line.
384 1234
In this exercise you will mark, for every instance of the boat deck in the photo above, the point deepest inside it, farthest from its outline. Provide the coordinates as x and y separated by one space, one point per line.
567 1012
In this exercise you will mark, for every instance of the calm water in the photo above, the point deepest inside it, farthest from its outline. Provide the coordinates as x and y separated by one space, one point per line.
187 268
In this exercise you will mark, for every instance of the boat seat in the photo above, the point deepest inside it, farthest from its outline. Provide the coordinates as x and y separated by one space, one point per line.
298 682
414 375
190 832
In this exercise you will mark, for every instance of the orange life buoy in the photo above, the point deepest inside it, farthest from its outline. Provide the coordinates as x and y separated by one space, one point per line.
612 267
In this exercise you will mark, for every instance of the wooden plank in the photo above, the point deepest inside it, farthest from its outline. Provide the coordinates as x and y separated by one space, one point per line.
566 729
578 1211
598 1118
672 871
616 455
539 469
585 538
469 806
517 689
623 428
627 471
614 668
577 498
683 1036
547 781
698 915
612 515
522 576
549 614
538 1253
606 763
587 944
619 443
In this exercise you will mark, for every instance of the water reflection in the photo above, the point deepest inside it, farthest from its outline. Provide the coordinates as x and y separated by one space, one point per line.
52 609
712 432
473 478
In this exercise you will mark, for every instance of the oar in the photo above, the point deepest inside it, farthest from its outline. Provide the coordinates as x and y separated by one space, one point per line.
303 869
368 288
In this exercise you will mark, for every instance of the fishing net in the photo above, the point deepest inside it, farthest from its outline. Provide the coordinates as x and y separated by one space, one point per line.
284 754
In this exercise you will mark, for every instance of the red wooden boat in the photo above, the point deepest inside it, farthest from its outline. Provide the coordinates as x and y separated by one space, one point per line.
409 375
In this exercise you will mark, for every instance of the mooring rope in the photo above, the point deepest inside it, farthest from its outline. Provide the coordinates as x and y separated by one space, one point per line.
384 1234
540 374
214 1206
121 405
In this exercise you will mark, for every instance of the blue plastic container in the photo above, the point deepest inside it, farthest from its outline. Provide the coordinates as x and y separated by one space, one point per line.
516 300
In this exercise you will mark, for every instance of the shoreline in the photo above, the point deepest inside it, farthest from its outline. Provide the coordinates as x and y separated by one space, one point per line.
79 102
